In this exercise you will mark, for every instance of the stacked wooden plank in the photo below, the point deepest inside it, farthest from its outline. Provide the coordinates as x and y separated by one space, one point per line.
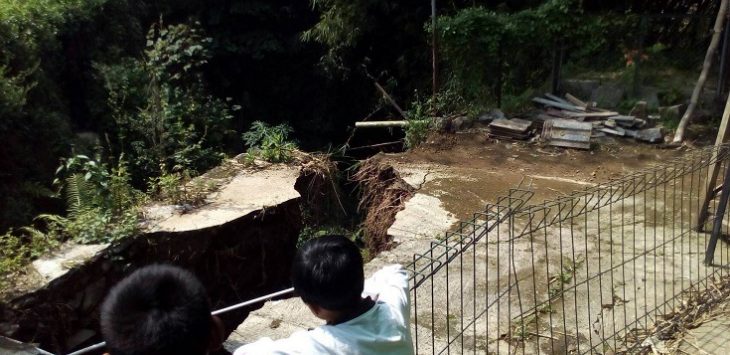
514 128
568 133
603 122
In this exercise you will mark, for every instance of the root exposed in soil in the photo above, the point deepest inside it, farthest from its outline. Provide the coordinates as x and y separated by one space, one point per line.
383 195
317 183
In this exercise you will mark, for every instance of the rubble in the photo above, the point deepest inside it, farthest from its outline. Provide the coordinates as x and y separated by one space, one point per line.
510 129
572 115
568 133
651 135
567 121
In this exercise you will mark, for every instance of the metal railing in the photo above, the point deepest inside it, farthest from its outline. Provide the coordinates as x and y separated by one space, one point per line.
234 307
584 273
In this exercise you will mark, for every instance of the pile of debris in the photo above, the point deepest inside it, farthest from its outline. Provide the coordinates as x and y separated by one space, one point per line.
514 128
574 117
571 123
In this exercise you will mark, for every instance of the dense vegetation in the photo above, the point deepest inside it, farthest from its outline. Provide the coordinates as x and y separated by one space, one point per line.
119 100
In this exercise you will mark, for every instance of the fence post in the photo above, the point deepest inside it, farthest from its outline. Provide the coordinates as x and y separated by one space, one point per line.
719 214
434 49
722 136
722 77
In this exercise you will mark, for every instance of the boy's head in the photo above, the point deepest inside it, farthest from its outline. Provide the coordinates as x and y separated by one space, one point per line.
159 309
328 273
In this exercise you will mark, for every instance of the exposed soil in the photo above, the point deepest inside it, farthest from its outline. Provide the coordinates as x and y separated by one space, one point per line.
468 170
383 194
464 172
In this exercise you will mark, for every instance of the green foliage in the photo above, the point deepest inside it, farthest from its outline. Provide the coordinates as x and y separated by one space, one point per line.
478 45
100 226
17 247
179 124
341 23
13 93
90 184
101 203
422 111
180 188
270 143
354 32
671 96
417 132
101 208
168 187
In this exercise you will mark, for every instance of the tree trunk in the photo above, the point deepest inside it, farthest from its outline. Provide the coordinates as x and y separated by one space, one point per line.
719 24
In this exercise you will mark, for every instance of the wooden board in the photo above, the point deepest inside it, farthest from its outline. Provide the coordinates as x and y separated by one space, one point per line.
618 131
515 125
568 133
575 101
559 105
591 114
559 99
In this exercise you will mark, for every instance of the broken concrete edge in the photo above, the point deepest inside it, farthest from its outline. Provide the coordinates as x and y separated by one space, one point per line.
64 314
159 218
305 168
243 194
72 292
419 221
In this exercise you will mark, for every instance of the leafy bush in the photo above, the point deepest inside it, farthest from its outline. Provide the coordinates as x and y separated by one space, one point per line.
18 246
478 45
90 184
102 207
417 132
101 204
180 125
270 143
422 111
180 188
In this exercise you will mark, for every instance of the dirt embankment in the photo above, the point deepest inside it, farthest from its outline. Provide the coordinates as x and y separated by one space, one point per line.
383 195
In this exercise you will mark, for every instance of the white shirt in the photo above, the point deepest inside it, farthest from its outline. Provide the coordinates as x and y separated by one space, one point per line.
383 329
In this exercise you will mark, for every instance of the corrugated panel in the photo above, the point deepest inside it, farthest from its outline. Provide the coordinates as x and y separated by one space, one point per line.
567 133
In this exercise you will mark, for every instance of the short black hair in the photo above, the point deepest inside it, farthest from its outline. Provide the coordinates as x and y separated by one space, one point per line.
328 272
158 309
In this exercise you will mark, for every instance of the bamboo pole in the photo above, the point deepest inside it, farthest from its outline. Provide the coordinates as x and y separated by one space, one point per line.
722 136
374 124
719 22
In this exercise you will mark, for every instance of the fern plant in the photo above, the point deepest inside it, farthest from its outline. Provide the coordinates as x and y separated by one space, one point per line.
81 195
101 203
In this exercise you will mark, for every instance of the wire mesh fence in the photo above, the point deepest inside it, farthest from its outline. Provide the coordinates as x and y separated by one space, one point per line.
589 272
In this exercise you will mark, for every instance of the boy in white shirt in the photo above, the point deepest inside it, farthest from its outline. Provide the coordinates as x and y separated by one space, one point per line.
363 316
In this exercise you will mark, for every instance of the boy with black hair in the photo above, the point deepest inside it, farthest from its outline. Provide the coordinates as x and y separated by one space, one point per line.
327 274
159 310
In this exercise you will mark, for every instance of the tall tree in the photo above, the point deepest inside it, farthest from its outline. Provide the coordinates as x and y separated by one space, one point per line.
719 24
